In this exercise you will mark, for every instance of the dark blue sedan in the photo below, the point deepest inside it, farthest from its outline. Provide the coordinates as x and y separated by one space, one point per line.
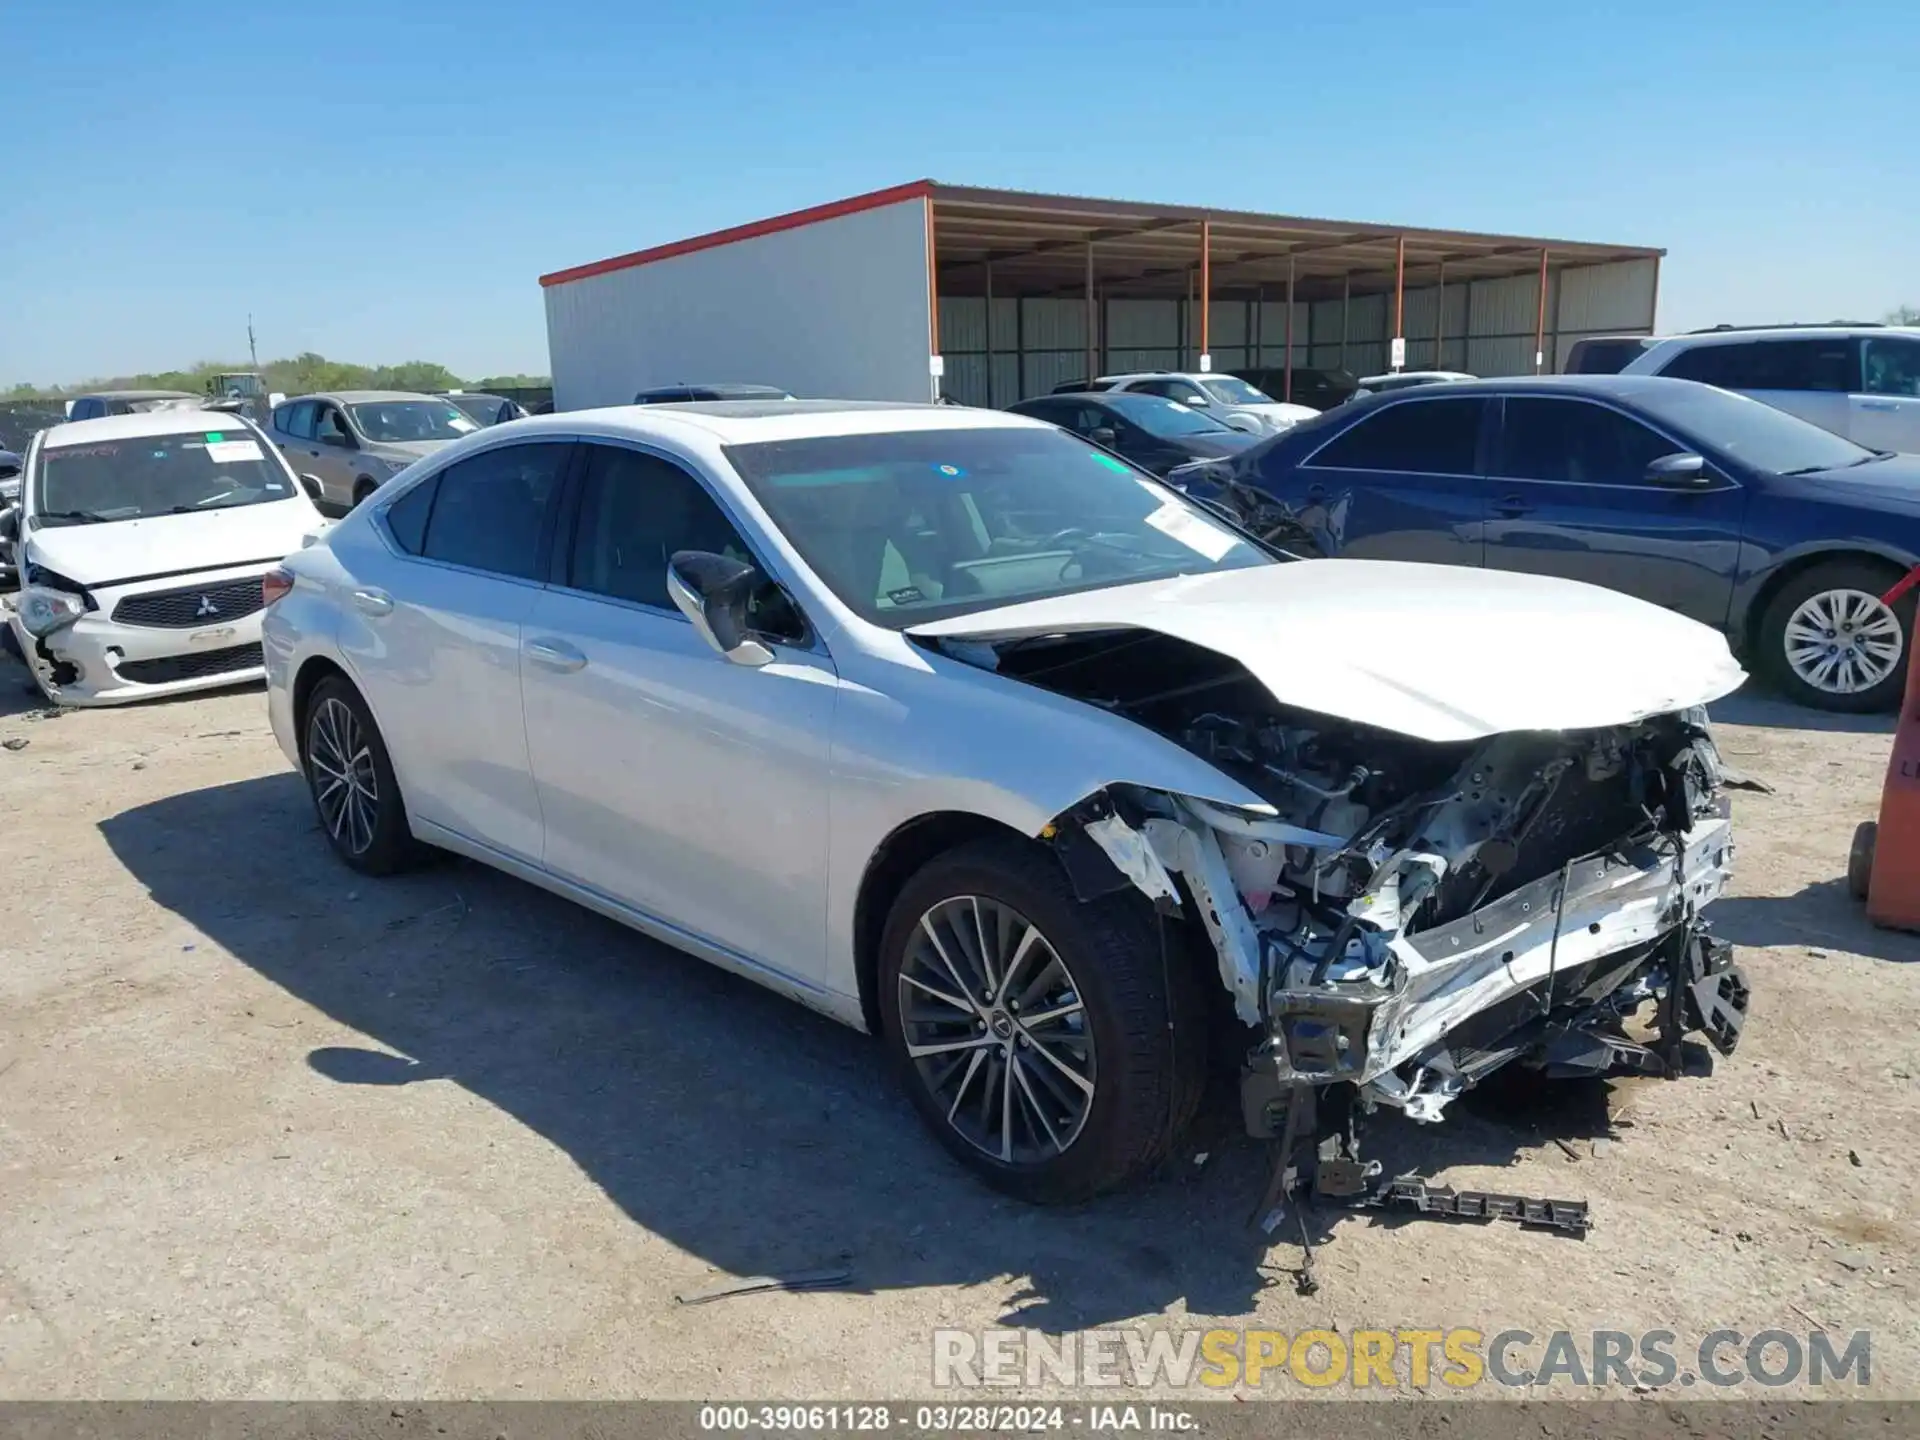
1727 510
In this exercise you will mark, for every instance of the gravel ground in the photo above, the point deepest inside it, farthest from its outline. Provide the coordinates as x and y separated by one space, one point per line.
271 1130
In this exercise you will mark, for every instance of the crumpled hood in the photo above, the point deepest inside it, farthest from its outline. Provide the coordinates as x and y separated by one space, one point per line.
1438 652
123 549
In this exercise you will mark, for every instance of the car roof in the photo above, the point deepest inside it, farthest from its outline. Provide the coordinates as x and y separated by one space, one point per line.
745 422
364 397
128 427
138 395
1158 375
1417 375
1784 332
1620 387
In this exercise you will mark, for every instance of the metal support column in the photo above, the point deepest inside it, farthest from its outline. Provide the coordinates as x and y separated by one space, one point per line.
1399 298
1088 307
1287 382
1206 293
1346 307
1540 317
1440 321
991 402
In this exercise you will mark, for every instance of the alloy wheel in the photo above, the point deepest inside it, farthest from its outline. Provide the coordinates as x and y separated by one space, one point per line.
340 767
1843 642
996 1029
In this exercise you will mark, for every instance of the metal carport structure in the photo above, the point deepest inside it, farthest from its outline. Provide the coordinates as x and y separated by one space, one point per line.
1002 294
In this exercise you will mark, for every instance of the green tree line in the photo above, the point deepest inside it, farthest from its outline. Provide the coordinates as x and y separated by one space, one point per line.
300 375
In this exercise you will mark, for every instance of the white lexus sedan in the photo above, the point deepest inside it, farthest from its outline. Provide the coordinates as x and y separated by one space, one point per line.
959 729
141 542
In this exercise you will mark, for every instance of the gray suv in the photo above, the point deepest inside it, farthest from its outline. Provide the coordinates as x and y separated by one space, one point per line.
354 441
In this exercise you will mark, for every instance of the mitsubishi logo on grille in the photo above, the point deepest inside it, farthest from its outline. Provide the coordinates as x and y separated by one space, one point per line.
207 607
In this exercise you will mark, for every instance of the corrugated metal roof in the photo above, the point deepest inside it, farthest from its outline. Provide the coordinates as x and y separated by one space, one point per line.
1037 245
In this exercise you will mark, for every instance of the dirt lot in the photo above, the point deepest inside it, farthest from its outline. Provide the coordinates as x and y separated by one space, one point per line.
270 1130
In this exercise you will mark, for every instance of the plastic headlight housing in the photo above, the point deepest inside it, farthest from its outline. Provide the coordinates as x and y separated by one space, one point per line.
43 611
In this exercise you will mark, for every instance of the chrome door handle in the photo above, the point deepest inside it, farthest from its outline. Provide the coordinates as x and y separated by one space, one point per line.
1878 405
373 602
1512 507
555 655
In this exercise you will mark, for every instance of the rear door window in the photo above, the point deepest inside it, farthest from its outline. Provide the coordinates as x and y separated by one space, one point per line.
489 511
295 420
1421 437
1576 442
1809 364
1893 366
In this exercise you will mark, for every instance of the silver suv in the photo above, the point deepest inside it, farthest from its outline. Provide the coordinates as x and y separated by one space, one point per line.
354 441
1859 381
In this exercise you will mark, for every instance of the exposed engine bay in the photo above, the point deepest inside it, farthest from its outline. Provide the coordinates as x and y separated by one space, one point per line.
1412 915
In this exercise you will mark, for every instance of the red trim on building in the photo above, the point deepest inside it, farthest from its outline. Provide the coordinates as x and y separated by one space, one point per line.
813 215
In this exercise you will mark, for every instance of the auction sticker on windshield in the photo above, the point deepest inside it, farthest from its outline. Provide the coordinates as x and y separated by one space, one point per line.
1200 536
232 452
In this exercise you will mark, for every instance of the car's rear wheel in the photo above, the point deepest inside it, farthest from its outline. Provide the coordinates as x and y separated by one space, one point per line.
1828 642
1054 1047
351 780
363 489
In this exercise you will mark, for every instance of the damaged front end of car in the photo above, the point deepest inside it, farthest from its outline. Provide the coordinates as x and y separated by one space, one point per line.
1406 916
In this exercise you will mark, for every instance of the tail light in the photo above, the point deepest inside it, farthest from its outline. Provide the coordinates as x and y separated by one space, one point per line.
274 584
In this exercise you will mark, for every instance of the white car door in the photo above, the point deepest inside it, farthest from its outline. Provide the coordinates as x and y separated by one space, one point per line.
1884 414
671 779
435 634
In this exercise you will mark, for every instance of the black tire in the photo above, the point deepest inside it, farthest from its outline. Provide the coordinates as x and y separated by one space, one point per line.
363 489
386 845
1149 1045
1869 577
1860 859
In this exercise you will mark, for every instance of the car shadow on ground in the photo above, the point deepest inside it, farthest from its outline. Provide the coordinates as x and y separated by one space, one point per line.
1823 916
1752 704
738 1126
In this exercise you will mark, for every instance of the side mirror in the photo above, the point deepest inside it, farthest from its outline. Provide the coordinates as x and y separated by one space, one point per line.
712 591
1197 402
1103 435
311 484
277 399
1683 471
10 524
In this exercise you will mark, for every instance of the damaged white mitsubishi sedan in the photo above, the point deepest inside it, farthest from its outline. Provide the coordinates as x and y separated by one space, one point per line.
959 729
141 540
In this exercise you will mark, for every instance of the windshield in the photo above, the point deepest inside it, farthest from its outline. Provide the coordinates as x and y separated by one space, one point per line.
1229 390
1765 438
1162 418
913 526
156 475
163 402
400 421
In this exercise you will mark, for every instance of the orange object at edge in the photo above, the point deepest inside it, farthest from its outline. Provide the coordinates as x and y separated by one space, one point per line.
1893 894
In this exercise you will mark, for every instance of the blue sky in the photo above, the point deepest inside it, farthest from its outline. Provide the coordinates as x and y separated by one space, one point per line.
382 182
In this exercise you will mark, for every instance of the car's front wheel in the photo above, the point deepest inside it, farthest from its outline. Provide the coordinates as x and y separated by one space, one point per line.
1829 642
1054 1046
351 780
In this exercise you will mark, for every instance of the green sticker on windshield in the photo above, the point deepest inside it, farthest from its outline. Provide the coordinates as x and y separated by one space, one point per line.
1113 464
214 437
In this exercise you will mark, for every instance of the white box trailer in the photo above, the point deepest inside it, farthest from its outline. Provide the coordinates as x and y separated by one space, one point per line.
852 299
